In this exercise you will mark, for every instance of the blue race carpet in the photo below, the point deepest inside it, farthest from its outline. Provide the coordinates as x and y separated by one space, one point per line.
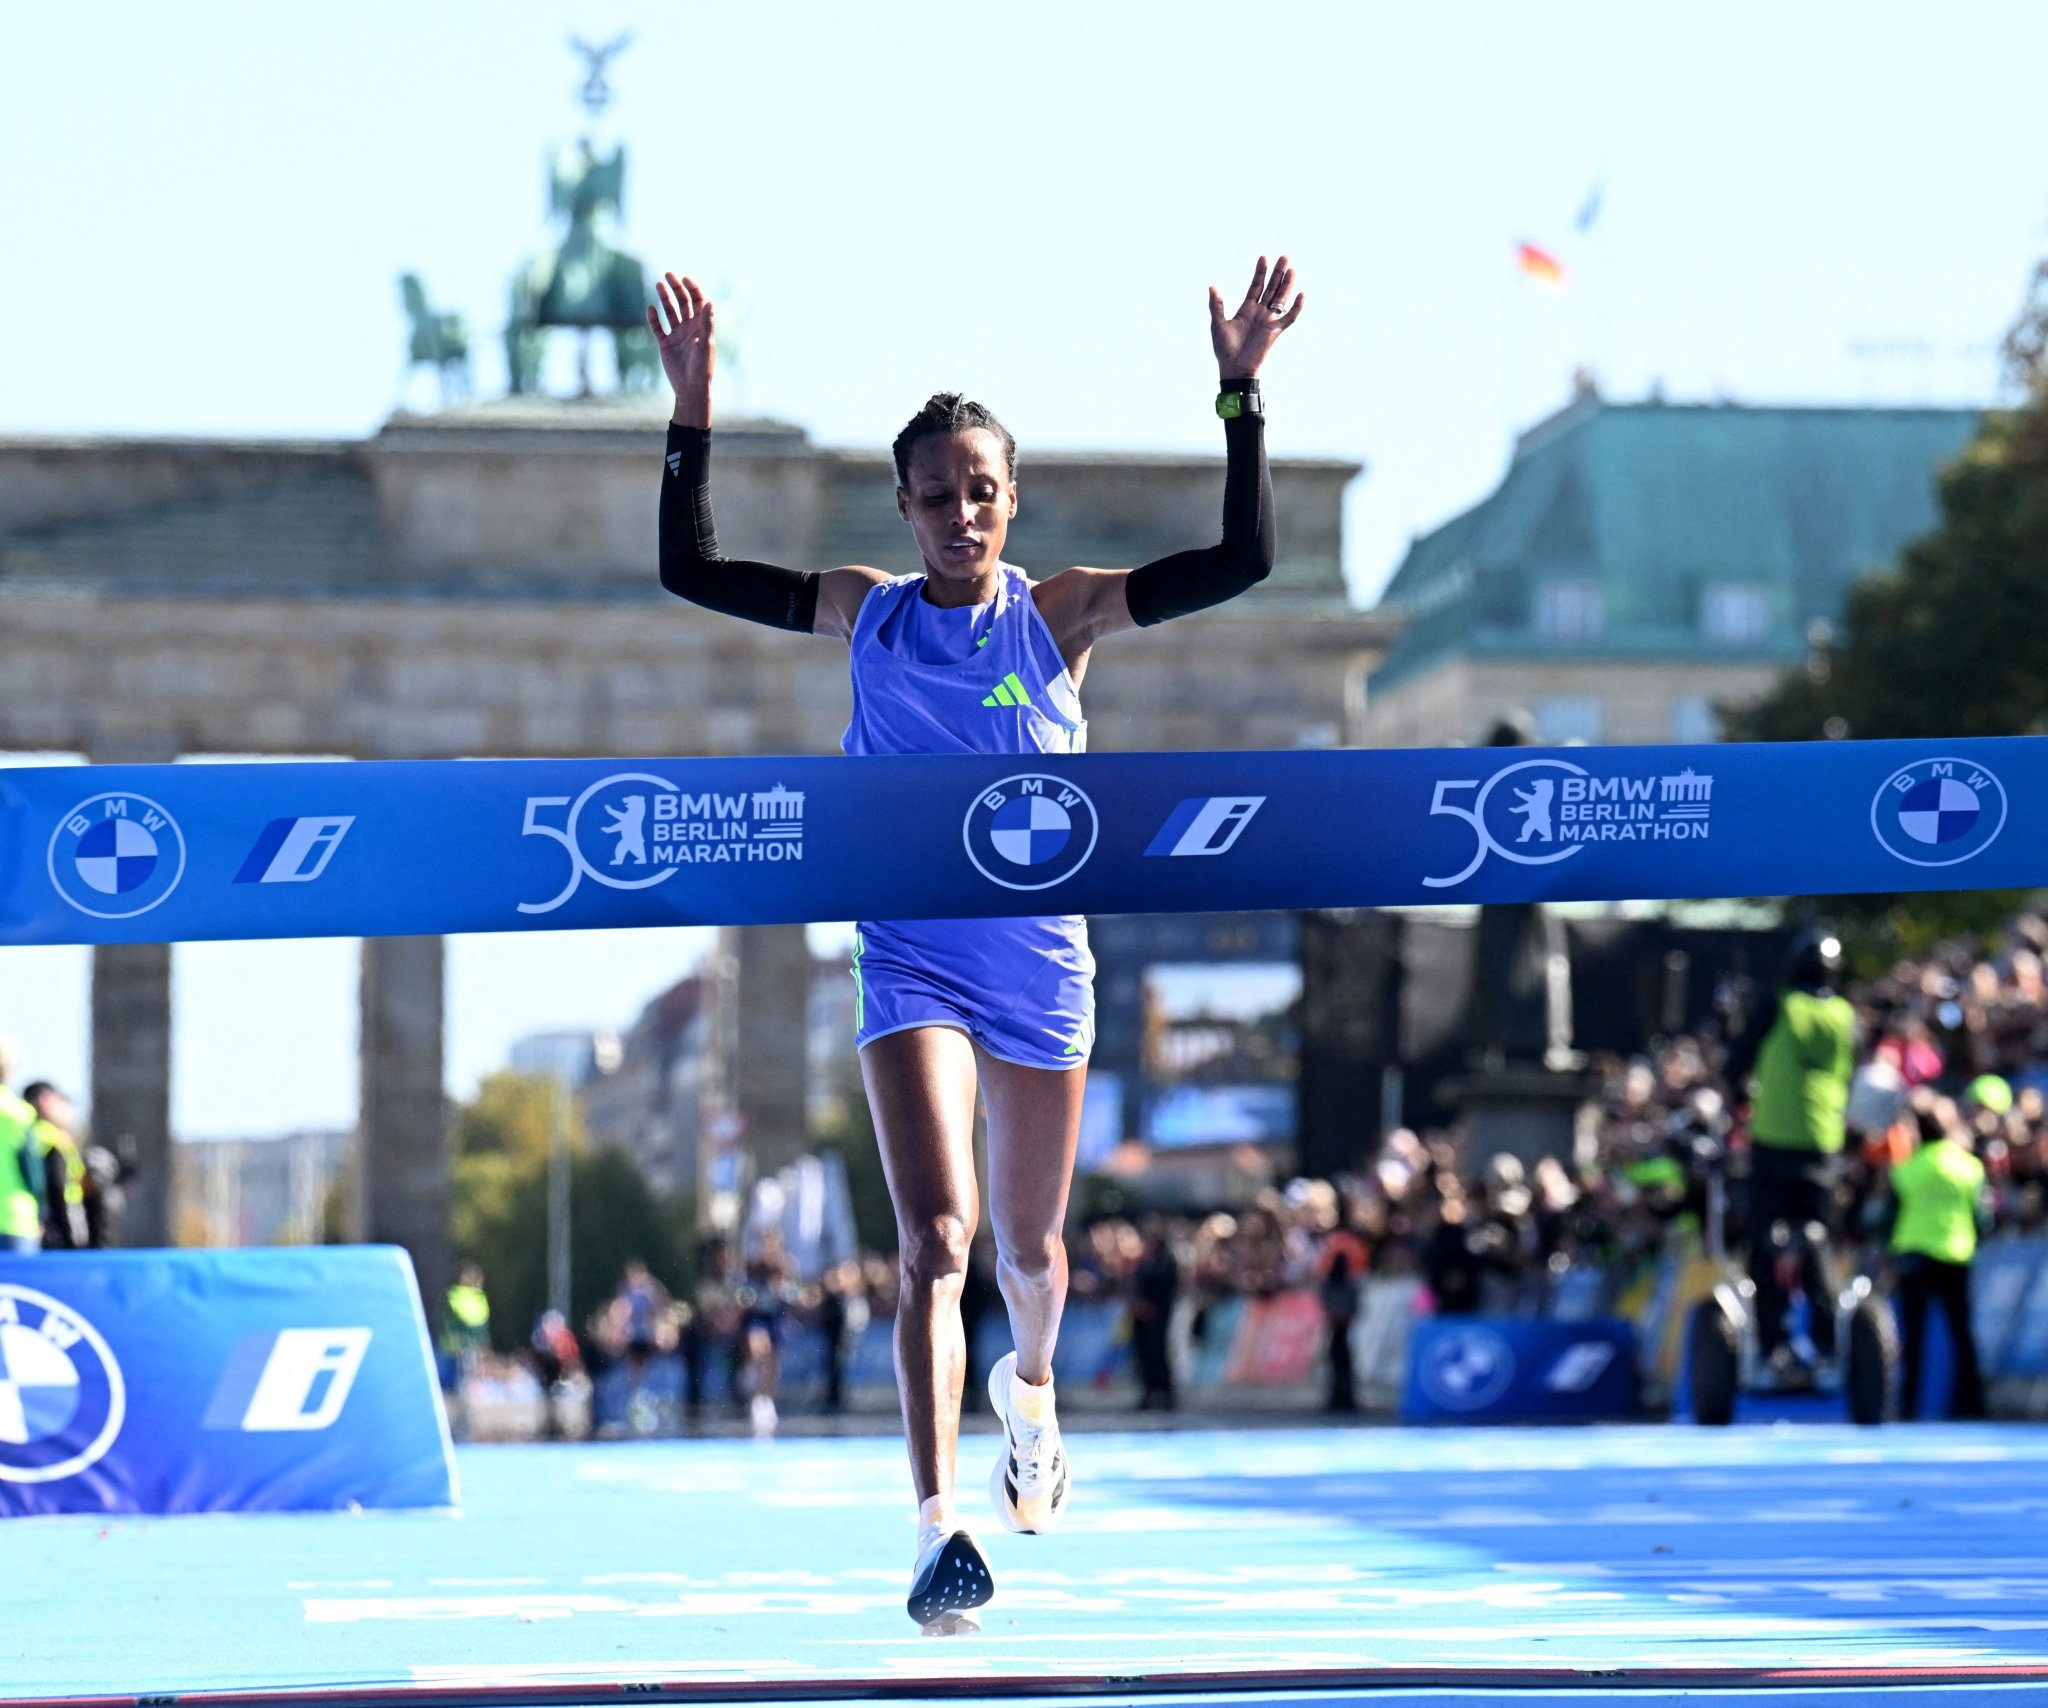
1646 1564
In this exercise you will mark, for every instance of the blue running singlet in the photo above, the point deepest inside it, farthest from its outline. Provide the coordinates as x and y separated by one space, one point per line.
969 679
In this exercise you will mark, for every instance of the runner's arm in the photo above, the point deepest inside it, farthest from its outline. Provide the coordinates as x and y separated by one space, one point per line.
1083 605
692 567
1183 582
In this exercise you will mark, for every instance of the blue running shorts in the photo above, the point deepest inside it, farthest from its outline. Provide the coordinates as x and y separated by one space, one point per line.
1023 989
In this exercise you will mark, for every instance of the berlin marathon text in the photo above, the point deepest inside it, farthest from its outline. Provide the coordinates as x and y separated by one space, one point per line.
1634 830
697 844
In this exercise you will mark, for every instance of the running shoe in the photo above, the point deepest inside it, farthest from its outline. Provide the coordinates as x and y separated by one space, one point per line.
952 1579
1029 1484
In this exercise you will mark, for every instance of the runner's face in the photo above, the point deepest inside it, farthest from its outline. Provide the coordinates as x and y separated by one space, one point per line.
959 503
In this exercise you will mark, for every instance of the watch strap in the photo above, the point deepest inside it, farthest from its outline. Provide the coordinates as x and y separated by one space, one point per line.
1239 397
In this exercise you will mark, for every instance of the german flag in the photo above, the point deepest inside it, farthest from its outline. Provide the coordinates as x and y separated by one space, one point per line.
1539 264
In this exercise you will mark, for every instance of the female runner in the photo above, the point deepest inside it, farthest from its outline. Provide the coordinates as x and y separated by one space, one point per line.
971 655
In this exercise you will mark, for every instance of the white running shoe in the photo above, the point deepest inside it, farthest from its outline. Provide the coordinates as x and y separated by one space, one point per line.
1030 1482
952 1579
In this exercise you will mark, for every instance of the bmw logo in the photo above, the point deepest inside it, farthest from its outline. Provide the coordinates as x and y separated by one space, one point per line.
1030 832
1466 1368
116 855
62 1400
1938 812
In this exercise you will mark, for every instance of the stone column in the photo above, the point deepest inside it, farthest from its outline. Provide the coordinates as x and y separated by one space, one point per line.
131 1078
771 1038
402 1153
131 1037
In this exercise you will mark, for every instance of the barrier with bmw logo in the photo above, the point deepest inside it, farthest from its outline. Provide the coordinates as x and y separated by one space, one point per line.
176 852
217 1381
1519 1369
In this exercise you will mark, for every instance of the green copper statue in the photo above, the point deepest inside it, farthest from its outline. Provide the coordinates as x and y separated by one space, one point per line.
584 282
439 341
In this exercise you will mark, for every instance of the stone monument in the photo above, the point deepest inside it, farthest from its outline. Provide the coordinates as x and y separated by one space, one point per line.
584 283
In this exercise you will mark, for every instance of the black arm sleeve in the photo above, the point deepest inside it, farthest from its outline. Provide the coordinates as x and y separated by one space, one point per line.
691 567
1193 581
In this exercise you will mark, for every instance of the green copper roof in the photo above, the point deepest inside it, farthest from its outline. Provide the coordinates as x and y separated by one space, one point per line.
1653 513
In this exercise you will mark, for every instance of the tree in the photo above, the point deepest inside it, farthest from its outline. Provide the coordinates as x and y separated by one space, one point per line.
1946 644
1949 642
499 1211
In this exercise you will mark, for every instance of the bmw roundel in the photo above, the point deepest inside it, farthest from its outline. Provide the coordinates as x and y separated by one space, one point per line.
116 855
1938 812
1467 1368
62 1400
1030 832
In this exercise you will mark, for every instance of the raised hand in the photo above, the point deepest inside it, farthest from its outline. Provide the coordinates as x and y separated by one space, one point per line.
1243 339
685 333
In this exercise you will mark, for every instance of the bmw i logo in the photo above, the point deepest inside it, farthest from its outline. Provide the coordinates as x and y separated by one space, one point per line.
1030 832
62 1400
1938 812
116 855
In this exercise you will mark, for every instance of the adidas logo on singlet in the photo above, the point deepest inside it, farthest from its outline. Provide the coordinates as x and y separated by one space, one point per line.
1009 692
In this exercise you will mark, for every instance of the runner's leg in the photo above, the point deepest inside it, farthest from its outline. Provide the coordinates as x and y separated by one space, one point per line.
1034 1128
920 1085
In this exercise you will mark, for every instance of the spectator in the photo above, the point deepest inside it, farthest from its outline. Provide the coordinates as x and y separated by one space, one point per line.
465 1327
1940 1189
1155 1285
555 1356
764 1303
1451 1254
842 1319
65 1179
1340 1298
21 1167
1803 1050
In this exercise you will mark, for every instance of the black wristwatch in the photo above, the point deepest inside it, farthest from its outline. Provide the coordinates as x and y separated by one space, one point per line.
1239 397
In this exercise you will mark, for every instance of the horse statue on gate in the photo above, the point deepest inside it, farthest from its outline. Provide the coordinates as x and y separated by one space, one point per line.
439 340
584 282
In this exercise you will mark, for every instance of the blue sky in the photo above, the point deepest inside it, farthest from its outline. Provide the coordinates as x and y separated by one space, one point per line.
208 206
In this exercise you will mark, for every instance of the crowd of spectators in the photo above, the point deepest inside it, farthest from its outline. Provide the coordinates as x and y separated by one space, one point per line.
1659 1172
1484 1233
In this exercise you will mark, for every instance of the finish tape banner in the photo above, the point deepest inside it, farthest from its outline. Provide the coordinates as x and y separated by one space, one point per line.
217 1381
169 853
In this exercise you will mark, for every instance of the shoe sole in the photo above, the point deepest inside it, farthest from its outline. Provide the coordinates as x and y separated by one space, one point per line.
999 1479
958 1582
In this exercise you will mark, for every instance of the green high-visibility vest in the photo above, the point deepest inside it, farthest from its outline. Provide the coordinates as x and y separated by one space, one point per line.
1802 1074
468 1323
21 1204
1938 1187
52 1137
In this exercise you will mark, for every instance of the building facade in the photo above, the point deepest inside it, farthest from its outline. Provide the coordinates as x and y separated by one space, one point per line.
256 1191
1640 565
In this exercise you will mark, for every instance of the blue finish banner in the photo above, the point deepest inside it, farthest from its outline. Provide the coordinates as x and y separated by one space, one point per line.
1501 1369
217 1381
170 853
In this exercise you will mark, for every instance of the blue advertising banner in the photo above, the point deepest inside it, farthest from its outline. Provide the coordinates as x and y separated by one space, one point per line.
2000 1283
1497 1369
217 1381
170 853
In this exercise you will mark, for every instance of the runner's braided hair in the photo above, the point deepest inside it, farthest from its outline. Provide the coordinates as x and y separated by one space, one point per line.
949 412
